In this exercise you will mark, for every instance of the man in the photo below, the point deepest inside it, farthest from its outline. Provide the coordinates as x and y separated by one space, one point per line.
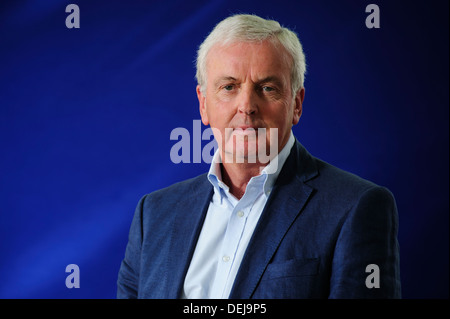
286 226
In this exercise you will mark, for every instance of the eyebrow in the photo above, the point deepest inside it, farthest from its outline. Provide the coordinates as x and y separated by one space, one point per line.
271 78
224 79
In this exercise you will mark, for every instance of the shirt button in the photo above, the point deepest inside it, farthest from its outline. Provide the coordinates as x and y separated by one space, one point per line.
226 258
240 213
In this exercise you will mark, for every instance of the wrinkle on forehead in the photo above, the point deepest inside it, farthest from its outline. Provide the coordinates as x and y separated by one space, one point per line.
257 60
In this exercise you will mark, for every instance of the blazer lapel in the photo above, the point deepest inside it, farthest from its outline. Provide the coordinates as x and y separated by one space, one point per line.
185 233
286 202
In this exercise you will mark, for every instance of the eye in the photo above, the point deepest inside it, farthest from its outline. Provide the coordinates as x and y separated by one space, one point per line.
268 89
228 87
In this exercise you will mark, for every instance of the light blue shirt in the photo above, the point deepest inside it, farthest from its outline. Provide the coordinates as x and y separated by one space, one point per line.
227 229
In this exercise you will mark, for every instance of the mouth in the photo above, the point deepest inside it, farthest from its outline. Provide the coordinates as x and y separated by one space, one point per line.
245 130
245 127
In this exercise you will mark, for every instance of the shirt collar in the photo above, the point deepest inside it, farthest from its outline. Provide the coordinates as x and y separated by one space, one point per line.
269 173
276 165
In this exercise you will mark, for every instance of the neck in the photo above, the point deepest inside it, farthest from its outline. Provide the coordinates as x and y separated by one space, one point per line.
237 175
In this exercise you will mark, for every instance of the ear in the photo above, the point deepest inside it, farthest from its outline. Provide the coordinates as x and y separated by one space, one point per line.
298 105
202 106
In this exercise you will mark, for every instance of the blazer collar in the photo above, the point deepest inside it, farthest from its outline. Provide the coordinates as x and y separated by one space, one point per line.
289 195
187 226
286 202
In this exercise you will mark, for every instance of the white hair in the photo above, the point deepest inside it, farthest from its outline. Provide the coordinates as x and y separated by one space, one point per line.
251 28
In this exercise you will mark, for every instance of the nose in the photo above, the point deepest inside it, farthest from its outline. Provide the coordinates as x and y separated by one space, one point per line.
247 102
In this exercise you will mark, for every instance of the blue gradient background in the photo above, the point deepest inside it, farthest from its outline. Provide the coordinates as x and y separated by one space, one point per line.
86 115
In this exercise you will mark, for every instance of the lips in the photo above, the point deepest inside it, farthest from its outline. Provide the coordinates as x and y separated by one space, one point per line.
245 127
245 130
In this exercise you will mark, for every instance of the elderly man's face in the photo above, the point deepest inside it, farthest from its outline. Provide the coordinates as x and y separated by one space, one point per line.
249 87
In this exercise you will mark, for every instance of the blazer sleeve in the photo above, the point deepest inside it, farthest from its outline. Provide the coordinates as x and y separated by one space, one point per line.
128 278
366 258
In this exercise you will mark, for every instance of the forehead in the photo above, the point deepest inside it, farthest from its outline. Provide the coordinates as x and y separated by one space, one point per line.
254 59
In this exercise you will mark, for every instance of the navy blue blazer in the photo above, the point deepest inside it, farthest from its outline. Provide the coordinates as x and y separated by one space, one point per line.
320 229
